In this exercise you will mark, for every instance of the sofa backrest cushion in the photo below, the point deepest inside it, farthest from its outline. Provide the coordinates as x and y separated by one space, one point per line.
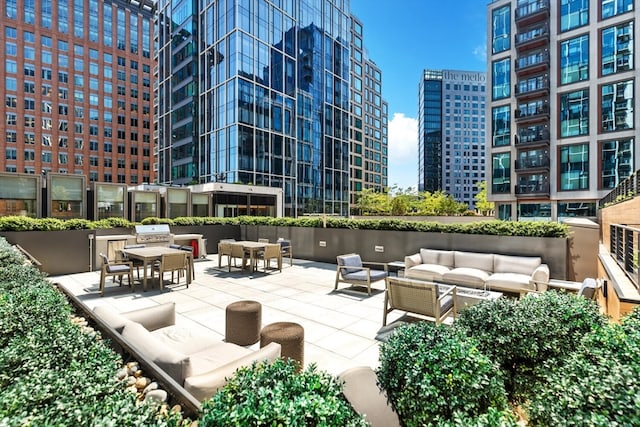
110 316
174 363
477 260
434 256
154 317
515 264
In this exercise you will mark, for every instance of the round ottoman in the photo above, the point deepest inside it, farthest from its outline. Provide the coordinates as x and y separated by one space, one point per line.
289 335
243 320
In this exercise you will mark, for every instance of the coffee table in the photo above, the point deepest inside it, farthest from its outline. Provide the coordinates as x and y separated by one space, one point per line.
466 297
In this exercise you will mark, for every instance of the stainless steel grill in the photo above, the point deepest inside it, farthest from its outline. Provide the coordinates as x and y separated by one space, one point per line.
157 233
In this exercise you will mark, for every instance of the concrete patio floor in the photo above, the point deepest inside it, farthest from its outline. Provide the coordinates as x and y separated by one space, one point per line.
342 328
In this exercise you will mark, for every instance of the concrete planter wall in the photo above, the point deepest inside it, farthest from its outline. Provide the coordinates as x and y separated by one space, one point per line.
324 244
60 252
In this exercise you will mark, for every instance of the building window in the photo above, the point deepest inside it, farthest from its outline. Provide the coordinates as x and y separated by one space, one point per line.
616 162
573 209
617 106
617 48
501 29
574 167
615 7
574 113
573 14
574 62
501 75
501 125
501 173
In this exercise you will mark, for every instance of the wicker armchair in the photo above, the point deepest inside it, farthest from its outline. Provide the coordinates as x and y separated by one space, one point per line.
419 297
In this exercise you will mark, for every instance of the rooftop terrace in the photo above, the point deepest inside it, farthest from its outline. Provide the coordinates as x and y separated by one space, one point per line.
342 328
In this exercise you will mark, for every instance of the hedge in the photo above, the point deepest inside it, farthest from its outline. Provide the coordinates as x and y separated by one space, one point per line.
51 372
494 227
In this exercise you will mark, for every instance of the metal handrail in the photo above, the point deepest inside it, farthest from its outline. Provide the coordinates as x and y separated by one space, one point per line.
627 189
624 247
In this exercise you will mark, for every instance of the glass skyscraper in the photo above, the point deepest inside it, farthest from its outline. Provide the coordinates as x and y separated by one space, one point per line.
451 132
257 92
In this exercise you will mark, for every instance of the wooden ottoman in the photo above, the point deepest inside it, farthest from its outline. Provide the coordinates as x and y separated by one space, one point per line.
243 320
289 335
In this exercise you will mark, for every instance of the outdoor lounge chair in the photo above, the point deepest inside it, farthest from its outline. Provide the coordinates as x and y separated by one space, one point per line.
419 297
589 289
351 269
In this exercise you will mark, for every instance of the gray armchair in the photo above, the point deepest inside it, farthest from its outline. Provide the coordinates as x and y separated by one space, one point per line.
351 269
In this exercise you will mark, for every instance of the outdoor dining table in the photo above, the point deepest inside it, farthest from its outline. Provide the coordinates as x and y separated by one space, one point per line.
149 254
251 247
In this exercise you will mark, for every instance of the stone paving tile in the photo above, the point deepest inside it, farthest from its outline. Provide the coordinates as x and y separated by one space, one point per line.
342 328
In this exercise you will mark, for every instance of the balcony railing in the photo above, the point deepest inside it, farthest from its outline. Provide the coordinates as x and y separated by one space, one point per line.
535 162
532 37
532 63
532 11
532 87
532 188
536 135
624 246
627 189
530 112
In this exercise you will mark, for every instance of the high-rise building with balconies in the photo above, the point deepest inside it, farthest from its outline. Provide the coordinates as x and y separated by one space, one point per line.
77 88
562 114
261 93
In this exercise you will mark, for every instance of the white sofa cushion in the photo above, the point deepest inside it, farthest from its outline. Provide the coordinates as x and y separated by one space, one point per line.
434 256
510 282
173 362
428 272
215 356
515 264
475 260
465 276
185 340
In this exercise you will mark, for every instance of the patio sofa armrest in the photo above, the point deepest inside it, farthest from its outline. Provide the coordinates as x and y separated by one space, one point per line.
540 277
205 385
412 260
156 317
450 290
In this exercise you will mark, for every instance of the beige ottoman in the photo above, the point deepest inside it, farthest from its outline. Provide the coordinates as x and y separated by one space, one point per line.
289 335
243 320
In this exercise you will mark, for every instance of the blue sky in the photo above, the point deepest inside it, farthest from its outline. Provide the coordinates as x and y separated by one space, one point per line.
403 37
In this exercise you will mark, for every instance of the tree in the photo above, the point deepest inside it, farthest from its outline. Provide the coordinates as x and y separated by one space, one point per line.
371 202
482 204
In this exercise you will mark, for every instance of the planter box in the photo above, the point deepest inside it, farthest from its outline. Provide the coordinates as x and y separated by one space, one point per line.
324 244
59 252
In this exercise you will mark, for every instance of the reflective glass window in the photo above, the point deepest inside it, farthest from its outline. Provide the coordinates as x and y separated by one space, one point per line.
501 173
617 48
617 106
574 167
501 75
501 125
615 7
501 29
573 14
574 113
574 62
616 162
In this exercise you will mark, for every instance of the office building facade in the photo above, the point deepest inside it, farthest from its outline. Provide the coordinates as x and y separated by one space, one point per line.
257 92
369 126
562 129
451 133
77 88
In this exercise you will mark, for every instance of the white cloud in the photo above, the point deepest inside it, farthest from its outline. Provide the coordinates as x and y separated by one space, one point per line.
403 138
480 52
403 151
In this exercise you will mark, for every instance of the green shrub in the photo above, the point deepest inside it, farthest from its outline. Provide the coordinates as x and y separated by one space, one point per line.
598 385
277 395
434 374
51 373
492 418
522 334
114 223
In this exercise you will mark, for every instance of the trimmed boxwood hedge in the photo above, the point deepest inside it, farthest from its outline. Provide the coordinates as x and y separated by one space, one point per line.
495 227
52 373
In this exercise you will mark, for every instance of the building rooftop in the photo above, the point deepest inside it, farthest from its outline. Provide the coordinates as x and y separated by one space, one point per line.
342 328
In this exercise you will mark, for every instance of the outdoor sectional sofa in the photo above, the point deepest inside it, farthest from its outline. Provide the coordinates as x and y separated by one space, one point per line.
488 271
200 363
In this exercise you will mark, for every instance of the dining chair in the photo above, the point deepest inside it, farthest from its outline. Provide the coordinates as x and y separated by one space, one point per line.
135 262
238 252
175 262
224 250
286 249
115 269
271 251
